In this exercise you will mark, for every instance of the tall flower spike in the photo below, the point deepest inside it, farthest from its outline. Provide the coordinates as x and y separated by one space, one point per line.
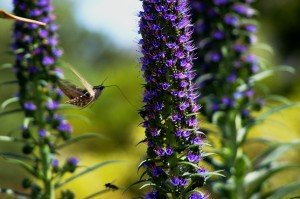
169 111
224 33
36 52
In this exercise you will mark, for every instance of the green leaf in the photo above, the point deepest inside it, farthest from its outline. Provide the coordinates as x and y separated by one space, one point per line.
217 116
80 138
9 101
8 82
4 138
203 78
78 116
189 163
274 110
15 156
278 98
10 112
6 66
85 171
273 152
254 180
11 192
282 191
97 194
135 183
23 164
147 185
27 121
264 74
243 132
263 46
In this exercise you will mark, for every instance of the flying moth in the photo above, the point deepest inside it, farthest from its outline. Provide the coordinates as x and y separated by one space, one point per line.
81 97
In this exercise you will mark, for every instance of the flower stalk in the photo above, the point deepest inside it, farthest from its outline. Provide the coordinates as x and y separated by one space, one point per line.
169 112
36 52
224 33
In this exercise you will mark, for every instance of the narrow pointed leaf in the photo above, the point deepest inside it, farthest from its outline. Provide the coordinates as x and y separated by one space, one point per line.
23 164
10 112
85 171
80 138
135 183
97 194
274 152
9 101
254 180
282 191
6 66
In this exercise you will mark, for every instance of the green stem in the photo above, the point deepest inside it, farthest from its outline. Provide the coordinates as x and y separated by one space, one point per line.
49 192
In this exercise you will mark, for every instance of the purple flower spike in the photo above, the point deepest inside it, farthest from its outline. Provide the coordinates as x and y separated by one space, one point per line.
169 96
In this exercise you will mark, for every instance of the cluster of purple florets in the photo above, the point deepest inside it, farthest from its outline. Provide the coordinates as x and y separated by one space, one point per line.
224 33
36 52
170 107
36 49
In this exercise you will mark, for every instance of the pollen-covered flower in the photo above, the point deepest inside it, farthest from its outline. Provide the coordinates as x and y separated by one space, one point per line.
169 97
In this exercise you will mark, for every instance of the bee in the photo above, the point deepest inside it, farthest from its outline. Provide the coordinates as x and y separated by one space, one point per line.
81 97
6 15
111 186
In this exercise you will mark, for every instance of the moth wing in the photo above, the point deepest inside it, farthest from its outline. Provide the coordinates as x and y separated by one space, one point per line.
6 15
88 87
70 90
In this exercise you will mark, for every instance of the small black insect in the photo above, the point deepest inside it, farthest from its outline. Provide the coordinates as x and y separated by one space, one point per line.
111 186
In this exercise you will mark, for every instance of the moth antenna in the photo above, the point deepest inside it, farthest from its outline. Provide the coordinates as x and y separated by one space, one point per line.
122 94
104 81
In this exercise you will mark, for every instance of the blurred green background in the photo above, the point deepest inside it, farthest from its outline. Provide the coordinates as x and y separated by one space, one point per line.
97 55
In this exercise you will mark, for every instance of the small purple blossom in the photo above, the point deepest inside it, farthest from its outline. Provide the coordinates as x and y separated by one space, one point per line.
197 195
42 133
29 106
48 61
231 20
52 105
64 126
73 161
55 163
193 157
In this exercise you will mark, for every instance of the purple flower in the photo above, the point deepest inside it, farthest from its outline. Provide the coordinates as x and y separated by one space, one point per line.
251 28
52 105
55 163
47 61
218 35
193 157
64 126
197 195
220 2
231 20
73 161
29 106
42 133
152 195
175 181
